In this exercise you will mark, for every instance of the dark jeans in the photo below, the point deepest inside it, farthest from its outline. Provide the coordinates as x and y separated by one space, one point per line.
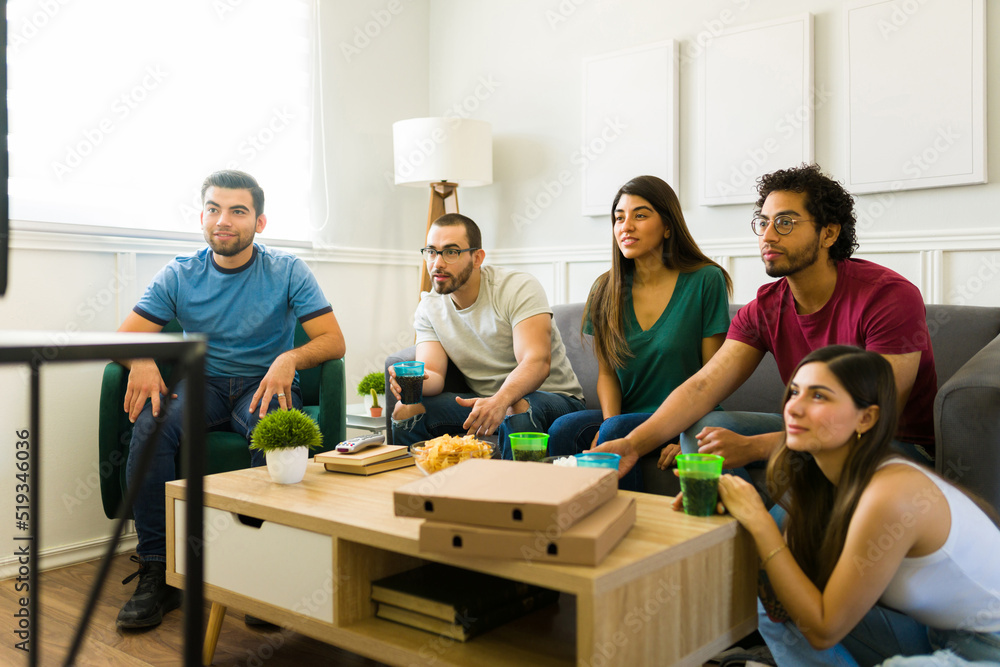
444 416
227 402
574 433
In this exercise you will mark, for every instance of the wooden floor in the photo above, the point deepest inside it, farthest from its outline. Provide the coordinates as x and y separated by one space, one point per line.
64 592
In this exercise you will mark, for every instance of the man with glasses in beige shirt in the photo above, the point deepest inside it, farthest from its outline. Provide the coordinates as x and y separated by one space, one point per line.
496 327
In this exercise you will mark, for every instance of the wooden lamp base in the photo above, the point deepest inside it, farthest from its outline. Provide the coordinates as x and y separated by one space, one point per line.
444 199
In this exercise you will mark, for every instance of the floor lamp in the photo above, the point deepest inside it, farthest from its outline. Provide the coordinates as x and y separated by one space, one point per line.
442 153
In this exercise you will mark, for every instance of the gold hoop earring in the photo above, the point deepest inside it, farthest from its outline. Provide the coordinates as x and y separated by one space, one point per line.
859 437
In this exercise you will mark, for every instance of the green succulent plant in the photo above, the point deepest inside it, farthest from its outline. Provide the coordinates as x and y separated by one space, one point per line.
285 429
375 399
374 381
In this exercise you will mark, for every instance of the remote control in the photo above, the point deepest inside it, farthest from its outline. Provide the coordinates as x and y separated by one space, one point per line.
361 442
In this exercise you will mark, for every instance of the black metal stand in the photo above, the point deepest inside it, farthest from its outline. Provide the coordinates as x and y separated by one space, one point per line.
38 348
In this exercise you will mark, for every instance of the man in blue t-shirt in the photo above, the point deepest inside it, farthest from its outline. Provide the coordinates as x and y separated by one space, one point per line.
245 298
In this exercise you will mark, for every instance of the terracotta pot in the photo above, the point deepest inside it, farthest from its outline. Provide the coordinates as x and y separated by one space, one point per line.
287 466
375 412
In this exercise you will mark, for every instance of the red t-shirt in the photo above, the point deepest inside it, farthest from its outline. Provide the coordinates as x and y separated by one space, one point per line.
873 308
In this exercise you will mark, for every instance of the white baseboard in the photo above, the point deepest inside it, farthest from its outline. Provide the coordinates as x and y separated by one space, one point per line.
69 554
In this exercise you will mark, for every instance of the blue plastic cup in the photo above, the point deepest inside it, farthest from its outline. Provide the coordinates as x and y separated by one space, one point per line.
410 378
598 460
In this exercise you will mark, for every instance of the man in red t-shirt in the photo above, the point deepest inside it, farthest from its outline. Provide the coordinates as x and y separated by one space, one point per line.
805 224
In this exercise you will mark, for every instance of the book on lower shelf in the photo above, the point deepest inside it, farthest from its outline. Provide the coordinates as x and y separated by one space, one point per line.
367 461
467 627
448 593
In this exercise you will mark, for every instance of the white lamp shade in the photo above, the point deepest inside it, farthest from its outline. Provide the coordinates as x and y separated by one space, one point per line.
430 150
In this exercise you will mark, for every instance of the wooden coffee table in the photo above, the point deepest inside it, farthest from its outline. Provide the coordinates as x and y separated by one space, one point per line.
677 589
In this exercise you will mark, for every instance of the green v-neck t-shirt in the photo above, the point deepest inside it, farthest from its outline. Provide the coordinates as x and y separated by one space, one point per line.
669 352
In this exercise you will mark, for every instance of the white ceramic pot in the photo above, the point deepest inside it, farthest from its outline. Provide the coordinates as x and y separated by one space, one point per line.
287 466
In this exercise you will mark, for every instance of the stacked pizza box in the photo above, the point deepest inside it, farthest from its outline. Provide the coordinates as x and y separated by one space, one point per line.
520 510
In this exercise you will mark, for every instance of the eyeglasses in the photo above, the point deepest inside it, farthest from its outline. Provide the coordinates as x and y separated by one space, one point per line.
783 224
450 255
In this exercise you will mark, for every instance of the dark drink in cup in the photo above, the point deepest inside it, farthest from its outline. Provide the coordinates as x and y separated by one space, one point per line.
410 378
411 388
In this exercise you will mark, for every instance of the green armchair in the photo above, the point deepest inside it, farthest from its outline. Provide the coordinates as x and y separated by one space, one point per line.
323 397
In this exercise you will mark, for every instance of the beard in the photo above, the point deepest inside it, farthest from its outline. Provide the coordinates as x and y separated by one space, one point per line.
455 283
228 248
794 262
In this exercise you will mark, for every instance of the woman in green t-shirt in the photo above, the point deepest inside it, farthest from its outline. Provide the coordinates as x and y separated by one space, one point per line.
657 316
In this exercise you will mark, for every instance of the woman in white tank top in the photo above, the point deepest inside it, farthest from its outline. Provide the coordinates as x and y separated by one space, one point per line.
879 557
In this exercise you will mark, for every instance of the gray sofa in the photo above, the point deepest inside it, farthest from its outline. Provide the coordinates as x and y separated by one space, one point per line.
966 341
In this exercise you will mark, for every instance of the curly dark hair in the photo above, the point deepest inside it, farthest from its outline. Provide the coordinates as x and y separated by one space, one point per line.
826 200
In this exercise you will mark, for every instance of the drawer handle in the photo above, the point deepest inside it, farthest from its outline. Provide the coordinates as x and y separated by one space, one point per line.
251 521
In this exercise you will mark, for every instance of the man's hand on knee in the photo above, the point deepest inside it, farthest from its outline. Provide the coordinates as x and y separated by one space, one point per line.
144 381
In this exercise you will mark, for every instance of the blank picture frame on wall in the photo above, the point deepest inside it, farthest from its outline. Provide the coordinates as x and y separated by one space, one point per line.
756 106
622 138
916 94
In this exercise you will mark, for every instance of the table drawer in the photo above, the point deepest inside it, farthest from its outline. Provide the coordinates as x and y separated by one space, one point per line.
283 566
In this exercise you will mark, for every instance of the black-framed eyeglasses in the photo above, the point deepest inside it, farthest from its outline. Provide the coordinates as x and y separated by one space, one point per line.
783 224
450 255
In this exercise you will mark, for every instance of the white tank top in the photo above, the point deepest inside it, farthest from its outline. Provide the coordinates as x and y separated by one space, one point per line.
957 586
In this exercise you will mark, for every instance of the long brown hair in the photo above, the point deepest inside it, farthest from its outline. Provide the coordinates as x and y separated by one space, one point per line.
819 512
606 302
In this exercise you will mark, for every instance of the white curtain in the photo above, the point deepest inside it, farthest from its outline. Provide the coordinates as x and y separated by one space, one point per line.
120 108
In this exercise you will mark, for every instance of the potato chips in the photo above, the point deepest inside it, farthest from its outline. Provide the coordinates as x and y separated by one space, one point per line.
447 450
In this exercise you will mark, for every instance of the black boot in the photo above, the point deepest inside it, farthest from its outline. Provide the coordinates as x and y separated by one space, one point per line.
152 597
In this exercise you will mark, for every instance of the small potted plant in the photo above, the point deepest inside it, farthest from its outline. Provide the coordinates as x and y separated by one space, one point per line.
285 437
373 385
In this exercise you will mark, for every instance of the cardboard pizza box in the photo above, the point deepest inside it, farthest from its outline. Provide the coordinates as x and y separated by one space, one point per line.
508 494
584 543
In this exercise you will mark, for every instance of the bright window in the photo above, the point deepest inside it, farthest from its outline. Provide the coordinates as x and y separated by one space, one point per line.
120 108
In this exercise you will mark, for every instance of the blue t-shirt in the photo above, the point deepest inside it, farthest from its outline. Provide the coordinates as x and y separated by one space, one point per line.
248 314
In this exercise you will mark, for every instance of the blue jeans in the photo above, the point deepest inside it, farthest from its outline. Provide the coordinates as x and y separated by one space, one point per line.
881 634
444 416
227 403
744 423
574 433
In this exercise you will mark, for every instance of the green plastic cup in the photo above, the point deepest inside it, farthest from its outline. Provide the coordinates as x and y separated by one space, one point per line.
529 446
699 475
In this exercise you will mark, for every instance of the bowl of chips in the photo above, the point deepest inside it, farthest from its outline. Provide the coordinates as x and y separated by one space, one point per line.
447 450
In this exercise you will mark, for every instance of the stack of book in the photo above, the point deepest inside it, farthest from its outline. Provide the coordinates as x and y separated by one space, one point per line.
367 461
454 602
520 510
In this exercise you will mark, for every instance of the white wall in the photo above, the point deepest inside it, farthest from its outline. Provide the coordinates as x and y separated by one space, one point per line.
532 51
514 63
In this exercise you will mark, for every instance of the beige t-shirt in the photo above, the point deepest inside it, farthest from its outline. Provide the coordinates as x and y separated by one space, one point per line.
479 340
